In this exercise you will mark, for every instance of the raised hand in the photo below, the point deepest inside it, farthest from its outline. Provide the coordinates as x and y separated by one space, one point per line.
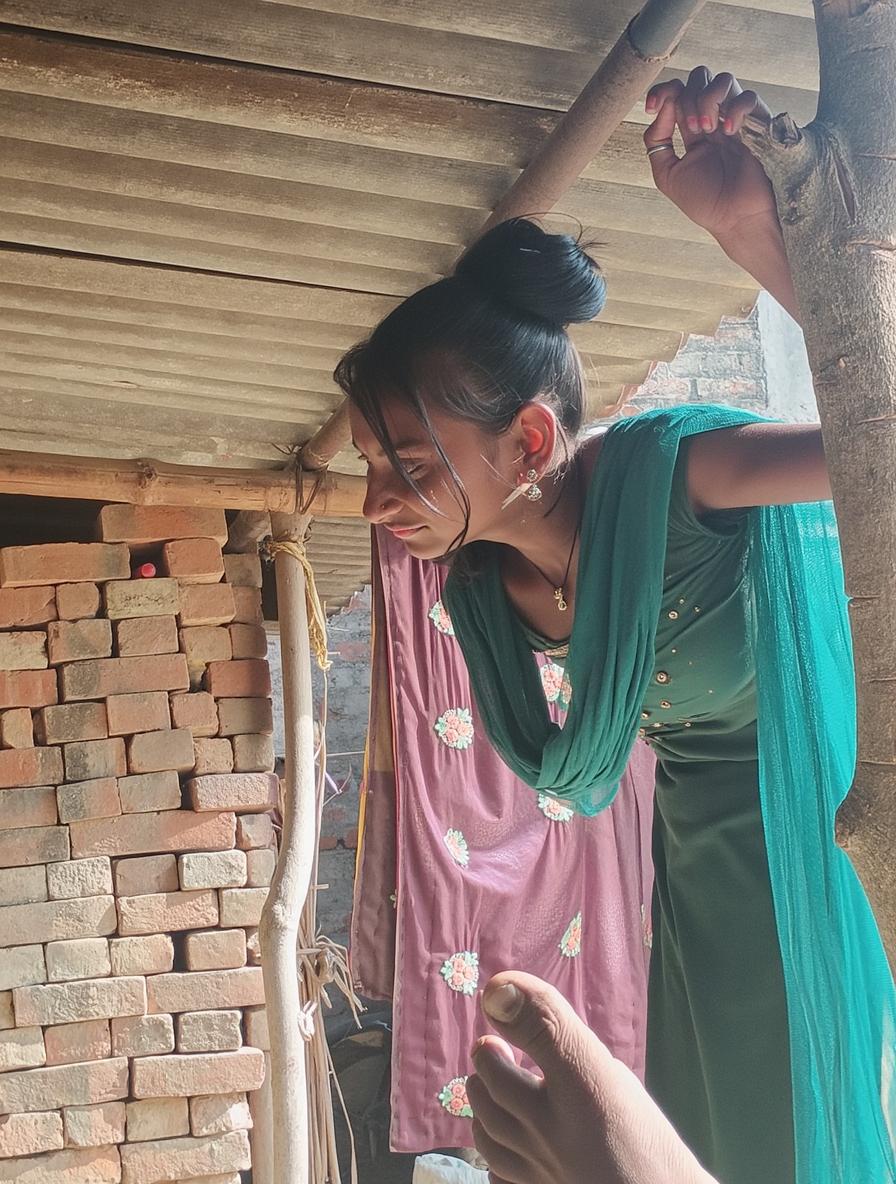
717 182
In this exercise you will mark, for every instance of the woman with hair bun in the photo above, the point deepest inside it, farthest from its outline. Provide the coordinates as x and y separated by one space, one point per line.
683 566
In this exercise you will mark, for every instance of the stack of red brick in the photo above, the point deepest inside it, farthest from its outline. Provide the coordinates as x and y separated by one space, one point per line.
136 850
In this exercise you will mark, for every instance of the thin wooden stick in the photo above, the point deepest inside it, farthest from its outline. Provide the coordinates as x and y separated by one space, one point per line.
279 930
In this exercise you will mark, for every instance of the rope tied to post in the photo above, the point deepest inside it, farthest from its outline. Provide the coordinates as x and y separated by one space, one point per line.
317 620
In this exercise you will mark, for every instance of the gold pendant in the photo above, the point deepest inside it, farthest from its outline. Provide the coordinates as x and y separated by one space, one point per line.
562 606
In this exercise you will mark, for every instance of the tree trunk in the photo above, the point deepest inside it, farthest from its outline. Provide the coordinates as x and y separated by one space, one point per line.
835 183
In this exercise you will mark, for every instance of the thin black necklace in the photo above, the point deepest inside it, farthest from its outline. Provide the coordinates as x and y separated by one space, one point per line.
559 589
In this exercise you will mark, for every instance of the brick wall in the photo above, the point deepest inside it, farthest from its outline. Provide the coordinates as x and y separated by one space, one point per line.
726 368
136 846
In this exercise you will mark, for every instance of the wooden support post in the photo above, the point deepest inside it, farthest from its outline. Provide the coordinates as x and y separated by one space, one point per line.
261 1105
335 435
835 184
280 920
152 483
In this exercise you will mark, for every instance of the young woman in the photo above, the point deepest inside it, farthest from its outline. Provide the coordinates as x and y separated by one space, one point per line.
678 566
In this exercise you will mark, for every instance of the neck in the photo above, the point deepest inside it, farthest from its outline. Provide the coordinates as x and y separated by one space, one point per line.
544 538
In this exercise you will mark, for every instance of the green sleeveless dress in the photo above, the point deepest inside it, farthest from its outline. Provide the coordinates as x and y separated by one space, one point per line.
717 1038
718 1051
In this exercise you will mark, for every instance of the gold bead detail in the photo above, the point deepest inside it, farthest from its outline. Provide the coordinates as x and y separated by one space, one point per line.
662 677
696 608
687 723
664 703
645 715
673 615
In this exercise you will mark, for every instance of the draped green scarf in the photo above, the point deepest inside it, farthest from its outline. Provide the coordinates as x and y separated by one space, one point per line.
840 995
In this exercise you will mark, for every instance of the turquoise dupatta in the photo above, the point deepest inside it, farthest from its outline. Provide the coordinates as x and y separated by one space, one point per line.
840 993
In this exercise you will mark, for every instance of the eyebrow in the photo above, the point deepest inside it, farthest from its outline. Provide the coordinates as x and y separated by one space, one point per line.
401 446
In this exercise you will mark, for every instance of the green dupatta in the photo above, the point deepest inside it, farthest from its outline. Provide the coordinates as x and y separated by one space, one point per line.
840 995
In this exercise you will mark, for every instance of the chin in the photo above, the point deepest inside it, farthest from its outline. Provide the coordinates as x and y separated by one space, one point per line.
423 546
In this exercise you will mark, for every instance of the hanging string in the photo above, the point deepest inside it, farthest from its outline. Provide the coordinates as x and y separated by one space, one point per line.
317 621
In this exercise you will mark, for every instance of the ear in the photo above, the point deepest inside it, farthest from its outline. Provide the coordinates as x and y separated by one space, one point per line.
537 430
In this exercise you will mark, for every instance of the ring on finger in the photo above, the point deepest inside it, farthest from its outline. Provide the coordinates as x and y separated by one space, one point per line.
667 147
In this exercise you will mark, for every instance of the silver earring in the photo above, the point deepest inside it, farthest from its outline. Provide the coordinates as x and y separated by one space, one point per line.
525 487
533 493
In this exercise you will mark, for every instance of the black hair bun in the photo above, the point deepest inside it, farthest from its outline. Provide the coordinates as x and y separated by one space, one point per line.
548 277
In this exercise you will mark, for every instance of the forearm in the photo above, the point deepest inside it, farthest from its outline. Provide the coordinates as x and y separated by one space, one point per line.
759 250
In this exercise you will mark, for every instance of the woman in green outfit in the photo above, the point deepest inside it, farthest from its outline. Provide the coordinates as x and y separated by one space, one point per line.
681 566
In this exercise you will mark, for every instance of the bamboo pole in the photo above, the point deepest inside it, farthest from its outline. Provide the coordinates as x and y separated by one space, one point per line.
153 483
624 76
279 930
335 435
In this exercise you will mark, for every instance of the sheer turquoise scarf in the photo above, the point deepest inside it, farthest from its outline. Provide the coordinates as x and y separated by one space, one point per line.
840 994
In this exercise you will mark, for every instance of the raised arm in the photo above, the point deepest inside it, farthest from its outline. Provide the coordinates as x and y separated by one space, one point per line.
759 464
718 182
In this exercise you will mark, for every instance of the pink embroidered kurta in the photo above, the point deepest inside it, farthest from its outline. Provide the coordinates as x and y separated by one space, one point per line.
487 875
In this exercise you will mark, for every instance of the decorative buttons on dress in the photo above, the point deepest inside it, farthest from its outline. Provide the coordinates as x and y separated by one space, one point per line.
664 703
673 615
642 732
662 677
696 608
645 715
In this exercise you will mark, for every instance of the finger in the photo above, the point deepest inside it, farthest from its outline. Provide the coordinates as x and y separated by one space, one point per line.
663 127
509 1086
503 1163
698 80
661 93
534 1017
658 142
739 108
712 99
502 1126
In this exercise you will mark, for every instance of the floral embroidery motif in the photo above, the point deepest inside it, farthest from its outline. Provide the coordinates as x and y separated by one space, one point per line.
454 727
454 1098
457 846
438 614
647 927
553 809
461 972
552 681
571 942
556 684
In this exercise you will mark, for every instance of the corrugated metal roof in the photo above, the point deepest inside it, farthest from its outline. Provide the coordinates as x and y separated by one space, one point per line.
203 204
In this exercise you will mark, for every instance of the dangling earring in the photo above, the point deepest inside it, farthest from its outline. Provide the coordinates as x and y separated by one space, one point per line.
528 486
533 493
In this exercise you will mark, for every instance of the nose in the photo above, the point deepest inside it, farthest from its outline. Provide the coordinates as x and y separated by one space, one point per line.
378 502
